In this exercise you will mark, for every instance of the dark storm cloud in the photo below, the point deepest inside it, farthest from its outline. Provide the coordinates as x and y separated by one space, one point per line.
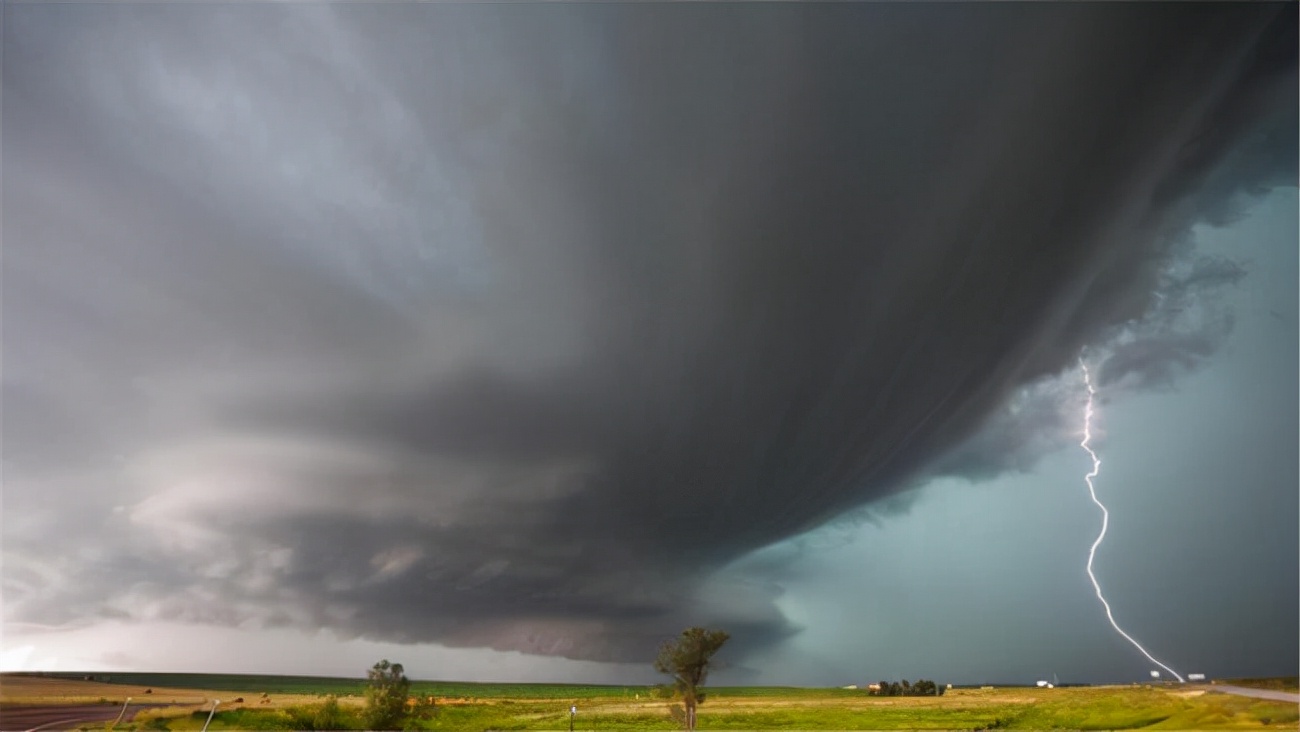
1185 326
507 326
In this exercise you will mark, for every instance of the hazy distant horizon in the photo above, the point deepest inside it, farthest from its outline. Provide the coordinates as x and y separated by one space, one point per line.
130 678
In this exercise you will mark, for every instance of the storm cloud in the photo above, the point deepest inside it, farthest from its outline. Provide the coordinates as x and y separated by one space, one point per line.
509 326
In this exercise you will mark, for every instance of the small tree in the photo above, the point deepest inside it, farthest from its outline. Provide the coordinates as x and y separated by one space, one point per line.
687 659
386 696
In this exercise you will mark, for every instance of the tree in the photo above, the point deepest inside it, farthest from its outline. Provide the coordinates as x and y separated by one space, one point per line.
687 660
386 696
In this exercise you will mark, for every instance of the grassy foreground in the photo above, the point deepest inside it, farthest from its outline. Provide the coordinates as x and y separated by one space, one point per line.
293 703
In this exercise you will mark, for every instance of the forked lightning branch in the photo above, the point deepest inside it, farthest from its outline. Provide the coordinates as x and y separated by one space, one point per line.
1105 518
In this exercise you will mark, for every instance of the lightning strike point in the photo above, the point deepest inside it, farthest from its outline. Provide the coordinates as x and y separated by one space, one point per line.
1105 520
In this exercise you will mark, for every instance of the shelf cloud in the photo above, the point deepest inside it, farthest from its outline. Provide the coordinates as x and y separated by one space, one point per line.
510 326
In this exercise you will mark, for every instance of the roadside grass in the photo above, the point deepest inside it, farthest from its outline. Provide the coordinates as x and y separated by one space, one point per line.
1098 709
486 716
1149 708
298 717
1223 711
250 719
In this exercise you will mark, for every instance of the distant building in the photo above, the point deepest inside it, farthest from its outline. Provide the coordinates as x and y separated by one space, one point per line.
1196 677
873 687
850 686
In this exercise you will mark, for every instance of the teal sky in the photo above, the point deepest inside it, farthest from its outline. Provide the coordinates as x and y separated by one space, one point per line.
1200 481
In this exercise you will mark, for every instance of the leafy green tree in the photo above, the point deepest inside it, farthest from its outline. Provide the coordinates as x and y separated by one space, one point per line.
386 696
687 660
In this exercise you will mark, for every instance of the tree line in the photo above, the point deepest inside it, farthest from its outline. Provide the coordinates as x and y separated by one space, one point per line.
922 687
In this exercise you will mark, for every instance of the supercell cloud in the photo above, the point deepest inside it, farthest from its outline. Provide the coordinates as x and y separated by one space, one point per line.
508 326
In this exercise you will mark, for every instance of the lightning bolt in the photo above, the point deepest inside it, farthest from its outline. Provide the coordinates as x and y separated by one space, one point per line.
1105 519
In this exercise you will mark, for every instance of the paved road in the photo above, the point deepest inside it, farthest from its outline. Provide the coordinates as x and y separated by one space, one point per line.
1257 693
50 717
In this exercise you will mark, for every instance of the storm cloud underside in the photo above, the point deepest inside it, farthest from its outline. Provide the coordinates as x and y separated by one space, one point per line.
507 326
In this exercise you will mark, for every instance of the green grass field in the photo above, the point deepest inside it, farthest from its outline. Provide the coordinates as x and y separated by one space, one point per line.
322 685
468 706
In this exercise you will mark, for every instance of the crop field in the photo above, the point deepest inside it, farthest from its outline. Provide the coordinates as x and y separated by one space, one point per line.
270 702
339 686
